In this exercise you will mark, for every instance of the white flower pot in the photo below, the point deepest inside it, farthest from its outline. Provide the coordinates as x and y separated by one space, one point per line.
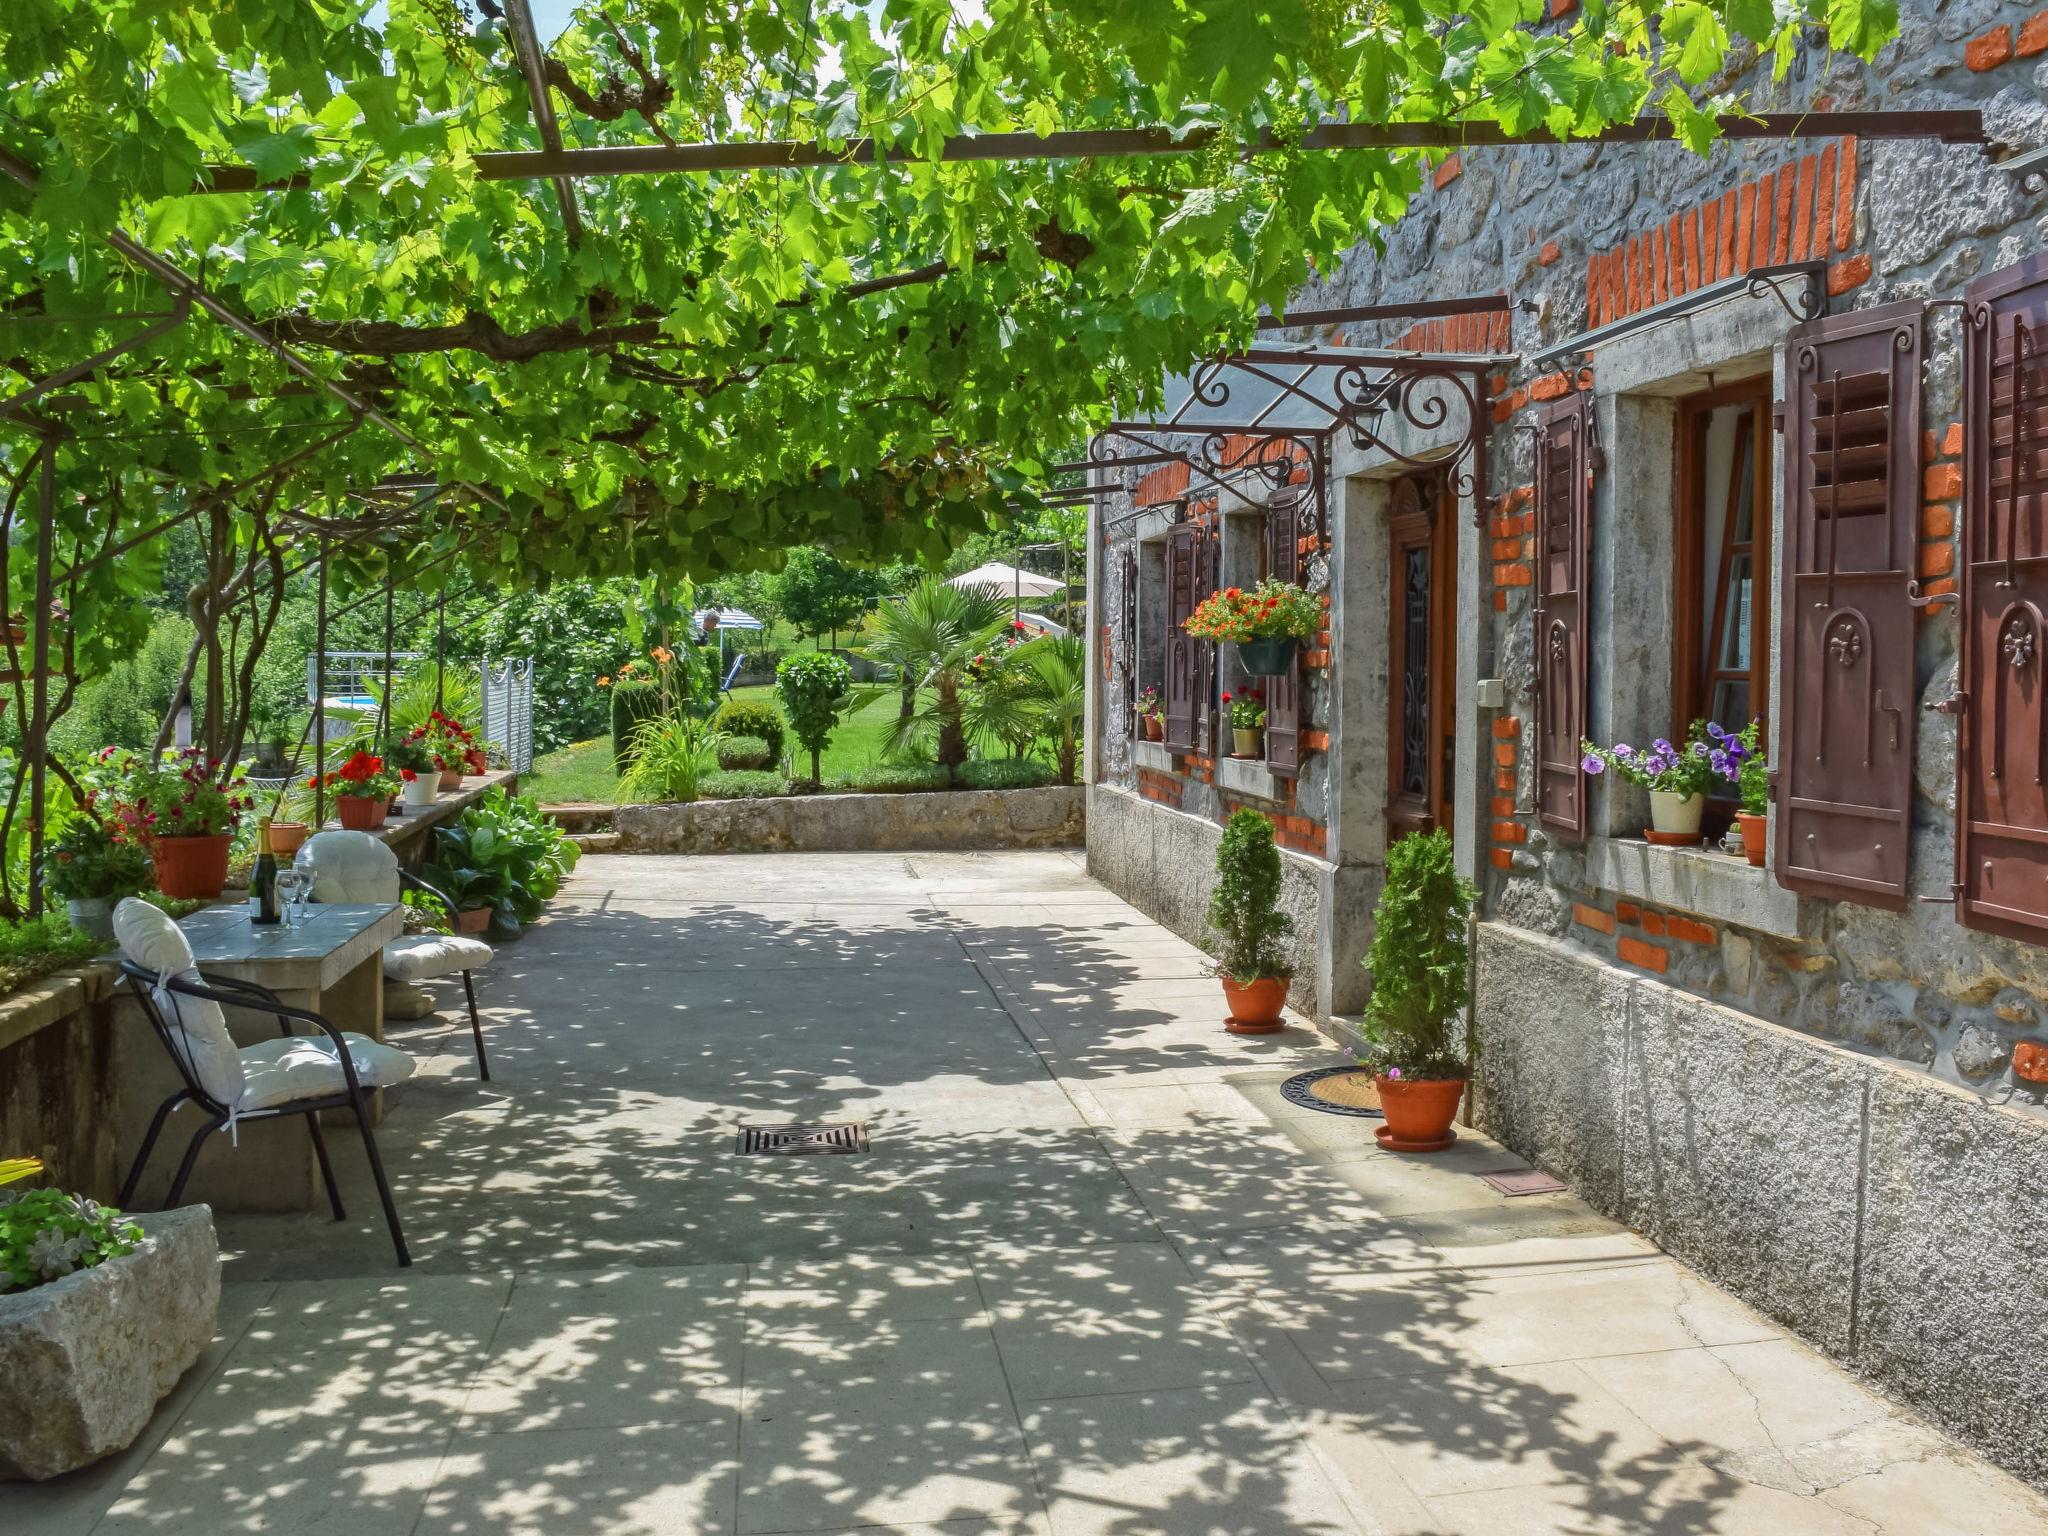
420 791
1675 813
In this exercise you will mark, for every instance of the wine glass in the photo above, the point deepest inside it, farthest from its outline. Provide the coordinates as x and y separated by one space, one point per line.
291 891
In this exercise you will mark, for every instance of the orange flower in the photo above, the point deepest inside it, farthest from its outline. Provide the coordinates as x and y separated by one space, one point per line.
604 682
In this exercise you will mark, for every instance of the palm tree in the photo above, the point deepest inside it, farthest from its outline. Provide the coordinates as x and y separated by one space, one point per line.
935 636
1059 695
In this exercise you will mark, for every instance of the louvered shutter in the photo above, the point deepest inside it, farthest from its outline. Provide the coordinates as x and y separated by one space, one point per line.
2002 813
1844 738
1127 637
1283 690
1183 660
1208 565
1564 534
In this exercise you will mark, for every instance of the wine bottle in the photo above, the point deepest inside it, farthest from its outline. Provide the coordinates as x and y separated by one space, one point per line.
263 881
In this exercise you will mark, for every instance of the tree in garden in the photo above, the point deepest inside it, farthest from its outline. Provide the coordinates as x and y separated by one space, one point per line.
814 689
934 635
819 594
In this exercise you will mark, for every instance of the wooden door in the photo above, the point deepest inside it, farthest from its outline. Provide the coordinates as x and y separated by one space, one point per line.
1421 655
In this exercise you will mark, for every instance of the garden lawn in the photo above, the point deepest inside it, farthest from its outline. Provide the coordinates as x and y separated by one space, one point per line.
583 771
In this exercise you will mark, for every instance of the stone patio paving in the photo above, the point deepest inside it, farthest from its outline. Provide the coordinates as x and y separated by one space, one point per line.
1094 1276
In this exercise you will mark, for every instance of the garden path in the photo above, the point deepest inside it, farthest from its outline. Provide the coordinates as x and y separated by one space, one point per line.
1094 1275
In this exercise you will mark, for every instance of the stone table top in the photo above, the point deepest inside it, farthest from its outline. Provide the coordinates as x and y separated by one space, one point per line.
330 941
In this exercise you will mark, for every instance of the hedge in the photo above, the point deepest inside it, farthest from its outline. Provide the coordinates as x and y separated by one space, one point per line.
756 718
738 785
1005 773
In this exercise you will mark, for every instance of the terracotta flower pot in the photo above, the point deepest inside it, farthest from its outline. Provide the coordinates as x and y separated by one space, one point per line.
472 920
359 813
1155 728
1752 835
1246 743
286 837
1255 1006
451 780
1419 1112
192 868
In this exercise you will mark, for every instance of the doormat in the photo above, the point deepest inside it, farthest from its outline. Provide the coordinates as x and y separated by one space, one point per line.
1335 1091
1522 1181
802 1140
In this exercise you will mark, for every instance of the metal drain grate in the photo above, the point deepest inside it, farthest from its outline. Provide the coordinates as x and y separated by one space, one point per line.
802 1140
1522 1181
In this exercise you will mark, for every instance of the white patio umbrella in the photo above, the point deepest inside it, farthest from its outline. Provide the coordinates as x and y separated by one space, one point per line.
1007 580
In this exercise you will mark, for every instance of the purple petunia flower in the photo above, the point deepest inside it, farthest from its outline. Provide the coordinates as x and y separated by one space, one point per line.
1592 764
1394 1073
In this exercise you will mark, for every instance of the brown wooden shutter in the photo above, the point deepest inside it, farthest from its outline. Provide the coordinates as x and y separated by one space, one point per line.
1183 661
2002 806
1846 697
1208 564
1283 690
1564 540
1127 637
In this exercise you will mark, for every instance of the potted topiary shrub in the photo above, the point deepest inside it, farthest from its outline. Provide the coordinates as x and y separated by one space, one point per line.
99 1317
1420 964
1251 952
88 868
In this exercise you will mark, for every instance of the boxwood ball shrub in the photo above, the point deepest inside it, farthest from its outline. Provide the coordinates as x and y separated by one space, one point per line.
752 717
1005 773
744 756
632 703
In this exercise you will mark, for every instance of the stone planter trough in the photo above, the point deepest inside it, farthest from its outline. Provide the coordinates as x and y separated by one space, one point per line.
84 1360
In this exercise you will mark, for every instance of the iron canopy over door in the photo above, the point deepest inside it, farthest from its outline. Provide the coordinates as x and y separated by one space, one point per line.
2002 815
1421 656
1848 700
1565 460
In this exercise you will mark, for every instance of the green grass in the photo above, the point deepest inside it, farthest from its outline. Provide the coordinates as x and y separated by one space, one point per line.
583 771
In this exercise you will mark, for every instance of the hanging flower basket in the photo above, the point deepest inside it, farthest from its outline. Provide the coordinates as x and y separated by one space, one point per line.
1271 657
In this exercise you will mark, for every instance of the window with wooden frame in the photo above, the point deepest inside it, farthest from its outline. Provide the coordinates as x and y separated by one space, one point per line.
1721 619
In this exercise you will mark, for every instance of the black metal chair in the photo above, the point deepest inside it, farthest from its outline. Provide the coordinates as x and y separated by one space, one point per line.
229 992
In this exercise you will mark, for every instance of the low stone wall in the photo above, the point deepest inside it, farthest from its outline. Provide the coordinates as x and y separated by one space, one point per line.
1163 862
1894 1220
956 819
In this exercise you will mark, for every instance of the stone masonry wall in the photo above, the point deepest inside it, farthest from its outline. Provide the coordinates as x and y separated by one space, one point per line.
1579 237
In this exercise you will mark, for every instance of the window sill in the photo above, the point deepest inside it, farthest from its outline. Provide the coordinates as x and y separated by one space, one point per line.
1153 755
1715 885
1248 777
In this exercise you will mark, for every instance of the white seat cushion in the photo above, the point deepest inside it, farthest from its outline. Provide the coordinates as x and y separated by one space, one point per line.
149 939
349 866
308 1067
423 956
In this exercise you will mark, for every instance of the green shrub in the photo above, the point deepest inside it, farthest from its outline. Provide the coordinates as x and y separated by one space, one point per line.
1245 908
1005 773
815 688
756 718
632 704
524 854
894 779
1420 961
32 949
738 757
740 784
